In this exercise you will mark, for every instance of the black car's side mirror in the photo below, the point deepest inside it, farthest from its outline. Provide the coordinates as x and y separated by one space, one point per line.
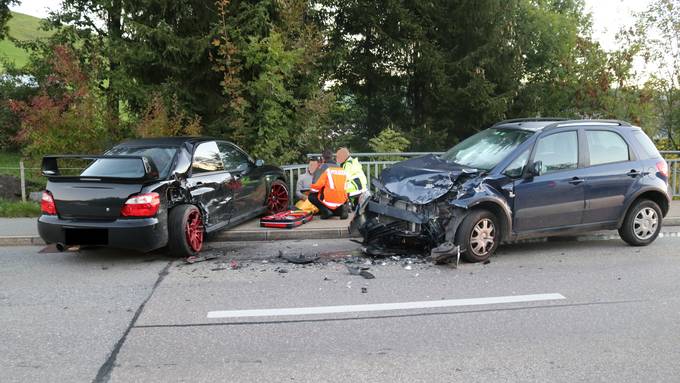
259 163
535 169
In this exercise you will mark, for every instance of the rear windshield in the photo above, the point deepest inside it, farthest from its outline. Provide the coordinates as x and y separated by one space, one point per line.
132 168
487 148
647 145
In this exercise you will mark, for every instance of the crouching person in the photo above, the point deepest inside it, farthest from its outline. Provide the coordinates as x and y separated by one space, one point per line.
328 192
356 179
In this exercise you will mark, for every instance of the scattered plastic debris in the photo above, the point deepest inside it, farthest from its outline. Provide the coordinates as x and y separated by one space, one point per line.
195 259
364 290
487 262
234 265
362 271
301 259
283 271
408 267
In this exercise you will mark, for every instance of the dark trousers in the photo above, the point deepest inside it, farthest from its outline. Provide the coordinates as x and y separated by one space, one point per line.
324 211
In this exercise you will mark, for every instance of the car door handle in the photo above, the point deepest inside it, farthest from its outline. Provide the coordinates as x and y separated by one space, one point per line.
633 173
576 181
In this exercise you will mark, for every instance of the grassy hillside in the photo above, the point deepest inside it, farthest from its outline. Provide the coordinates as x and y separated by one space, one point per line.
21 27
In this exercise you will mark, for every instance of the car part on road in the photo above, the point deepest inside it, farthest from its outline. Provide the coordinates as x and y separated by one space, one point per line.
361 270
195 259
301 259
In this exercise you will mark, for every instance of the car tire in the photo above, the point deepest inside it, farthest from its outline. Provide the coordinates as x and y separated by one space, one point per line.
185 231
278 199
642 223
478 235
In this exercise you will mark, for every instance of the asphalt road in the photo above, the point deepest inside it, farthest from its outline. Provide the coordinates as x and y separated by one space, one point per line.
102 315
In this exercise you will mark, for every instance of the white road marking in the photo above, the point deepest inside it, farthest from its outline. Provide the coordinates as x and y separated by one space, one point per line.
383 306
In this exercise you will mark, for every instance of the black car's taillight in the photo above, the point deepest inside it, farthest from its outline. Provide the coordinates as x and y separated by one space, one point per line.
47 205
141 205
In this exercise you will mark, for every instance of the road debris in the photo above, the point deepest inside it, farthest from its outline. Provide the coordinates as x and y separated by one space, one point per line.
301 259
487 262
364 290
283 271
362 271
195 259
234 265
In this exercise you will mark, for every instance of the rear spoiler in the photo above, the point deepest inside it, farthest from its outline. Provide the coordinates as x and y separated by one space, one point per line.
50 168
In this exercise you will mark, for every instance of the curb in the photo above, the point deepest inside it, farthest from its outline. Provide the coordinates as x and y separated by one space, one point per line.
671 229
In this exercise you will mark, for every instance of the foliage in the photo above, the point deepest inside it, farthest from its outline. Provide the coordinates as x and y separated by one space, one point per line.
267 59
658 34
66 115
389 140
5 15
158 120
15 209
285 77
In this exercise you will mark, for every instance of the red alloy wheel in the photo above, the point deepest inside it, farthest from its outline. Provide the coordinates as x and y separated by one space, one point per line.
278 198
194 231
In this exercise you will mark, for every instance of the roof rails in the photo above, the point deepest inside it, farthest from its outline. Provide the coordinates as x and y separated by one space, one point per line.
530 119
588 122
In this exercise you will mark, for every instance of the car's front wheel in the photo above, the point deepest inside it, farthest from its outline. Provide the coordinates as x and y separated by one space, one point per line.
642 223
478 235
185 231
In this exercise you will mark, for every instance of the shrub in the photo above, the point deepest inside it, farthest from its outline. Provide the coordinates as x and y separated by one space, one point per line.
159 120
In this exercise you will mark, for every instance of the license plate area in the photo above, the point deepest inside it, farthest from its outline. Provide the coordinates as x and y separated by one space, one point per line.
86 236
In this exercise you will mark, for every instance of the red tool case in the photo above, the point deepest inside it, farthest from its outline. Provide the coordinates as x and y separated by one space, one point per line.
287 219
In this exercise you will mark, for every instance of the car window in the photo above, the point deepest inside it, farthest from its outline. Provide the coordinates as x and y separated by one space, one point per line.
232 158
647 145
516 167
161 156
605 147
557 152
487 148
207 158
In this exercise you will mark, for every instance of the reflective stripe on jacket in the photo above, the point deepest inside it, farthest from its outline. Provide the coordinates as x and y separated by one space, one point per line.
356 179
331 187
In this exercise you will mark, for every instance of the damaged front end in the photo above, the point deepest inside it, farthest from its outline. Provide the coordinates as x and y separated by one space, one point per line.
413 207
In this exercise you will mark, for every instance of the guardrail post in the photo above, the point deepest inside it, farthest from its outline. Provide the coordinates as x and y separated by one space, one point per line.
22 175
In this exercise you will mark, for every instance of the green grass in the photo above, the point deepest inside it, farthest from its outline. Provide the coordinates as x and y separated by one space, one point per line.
24 28
14 209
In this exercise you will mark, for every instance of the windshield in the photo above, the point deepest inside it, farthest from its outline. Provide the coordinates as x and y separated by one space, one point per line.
131 168
487 148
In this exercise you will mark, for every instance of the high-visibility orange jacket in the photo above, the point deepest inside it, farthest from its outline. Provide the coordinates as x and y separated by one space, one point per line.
331 187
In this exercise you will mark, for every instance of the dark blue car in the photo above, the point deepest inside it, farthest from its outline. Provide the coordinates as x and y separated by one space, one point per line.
519 179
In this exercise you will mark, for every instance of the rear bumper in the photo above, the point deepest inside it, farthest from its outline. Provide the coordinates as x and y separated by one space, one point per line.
142 234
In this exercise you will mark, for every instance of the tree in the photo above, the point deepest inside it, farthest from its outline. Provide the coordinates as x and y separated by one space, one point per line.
658 34
5 15
267 53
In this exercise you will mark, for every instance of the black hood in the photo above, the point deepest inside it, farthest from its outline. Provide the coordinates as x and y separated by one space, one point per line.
423 179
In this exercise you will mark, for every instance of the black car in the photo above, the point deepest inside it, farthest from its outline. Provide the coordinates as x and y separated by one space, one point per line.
520 179
149 193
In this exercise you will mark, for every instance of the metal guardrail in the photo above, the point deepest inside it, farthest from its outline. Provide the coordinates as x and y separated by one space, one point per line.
373 167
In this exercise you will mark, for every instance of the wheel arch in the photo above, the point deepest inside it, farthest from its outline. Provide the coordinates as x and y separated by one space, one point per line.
659 197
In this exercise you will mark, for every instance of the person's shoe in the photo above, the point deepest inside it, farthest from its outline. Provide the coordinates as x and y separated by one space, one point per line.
343 213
